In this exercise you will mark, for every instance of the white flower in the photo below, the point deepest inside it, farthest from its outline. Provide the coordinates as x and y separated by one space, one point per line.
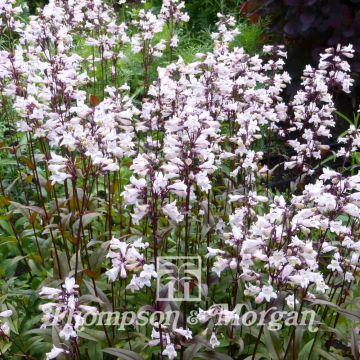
214 342
134 284
174 42
111 167
267 293
349 277
220 265
178 188
54 353
234 198
214 252
6 313
139 212
23 126
67 332
70 284
155 336
291 301
186 333
203 181
5 329
57 166
112 273
89 309
59 178
149 271
159 183
351 210
169 351
328 174
79 322
203 316
49 292
172 212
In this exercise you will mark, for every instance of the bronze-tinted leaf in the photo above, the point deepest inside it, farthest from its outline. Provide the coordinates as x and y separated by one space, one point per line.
94 100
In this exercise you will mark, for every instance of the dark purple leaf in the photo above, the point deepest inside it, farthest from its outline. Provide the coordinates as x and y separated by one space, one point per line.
292 2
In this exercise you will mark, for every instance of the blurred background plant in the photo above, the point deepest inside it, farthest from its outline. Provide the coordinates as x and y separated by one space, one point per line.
306 27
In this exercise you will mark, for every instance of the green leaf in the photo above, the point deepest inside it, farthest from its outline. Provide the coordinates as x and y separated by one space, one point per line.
123 354
355 341
5 225
16 259
101 295
329 356
84 299
344 117
351 315
304 353
98 256
86 220
273 344
92 335
257 357
191 351
8 162
212 355
197 342
299 335
35 209
95 352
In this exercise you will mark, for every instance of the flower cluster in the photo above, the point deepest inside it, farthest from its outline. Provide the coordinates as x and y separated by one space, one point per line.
312 108
148 25
126 258
166 337
283 242
172 10
172 14
64 311
48 94
9 16
4 325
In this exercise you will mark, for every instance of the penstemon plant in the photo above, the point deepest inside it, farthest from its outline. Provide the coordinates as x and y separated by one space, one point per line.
141 222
